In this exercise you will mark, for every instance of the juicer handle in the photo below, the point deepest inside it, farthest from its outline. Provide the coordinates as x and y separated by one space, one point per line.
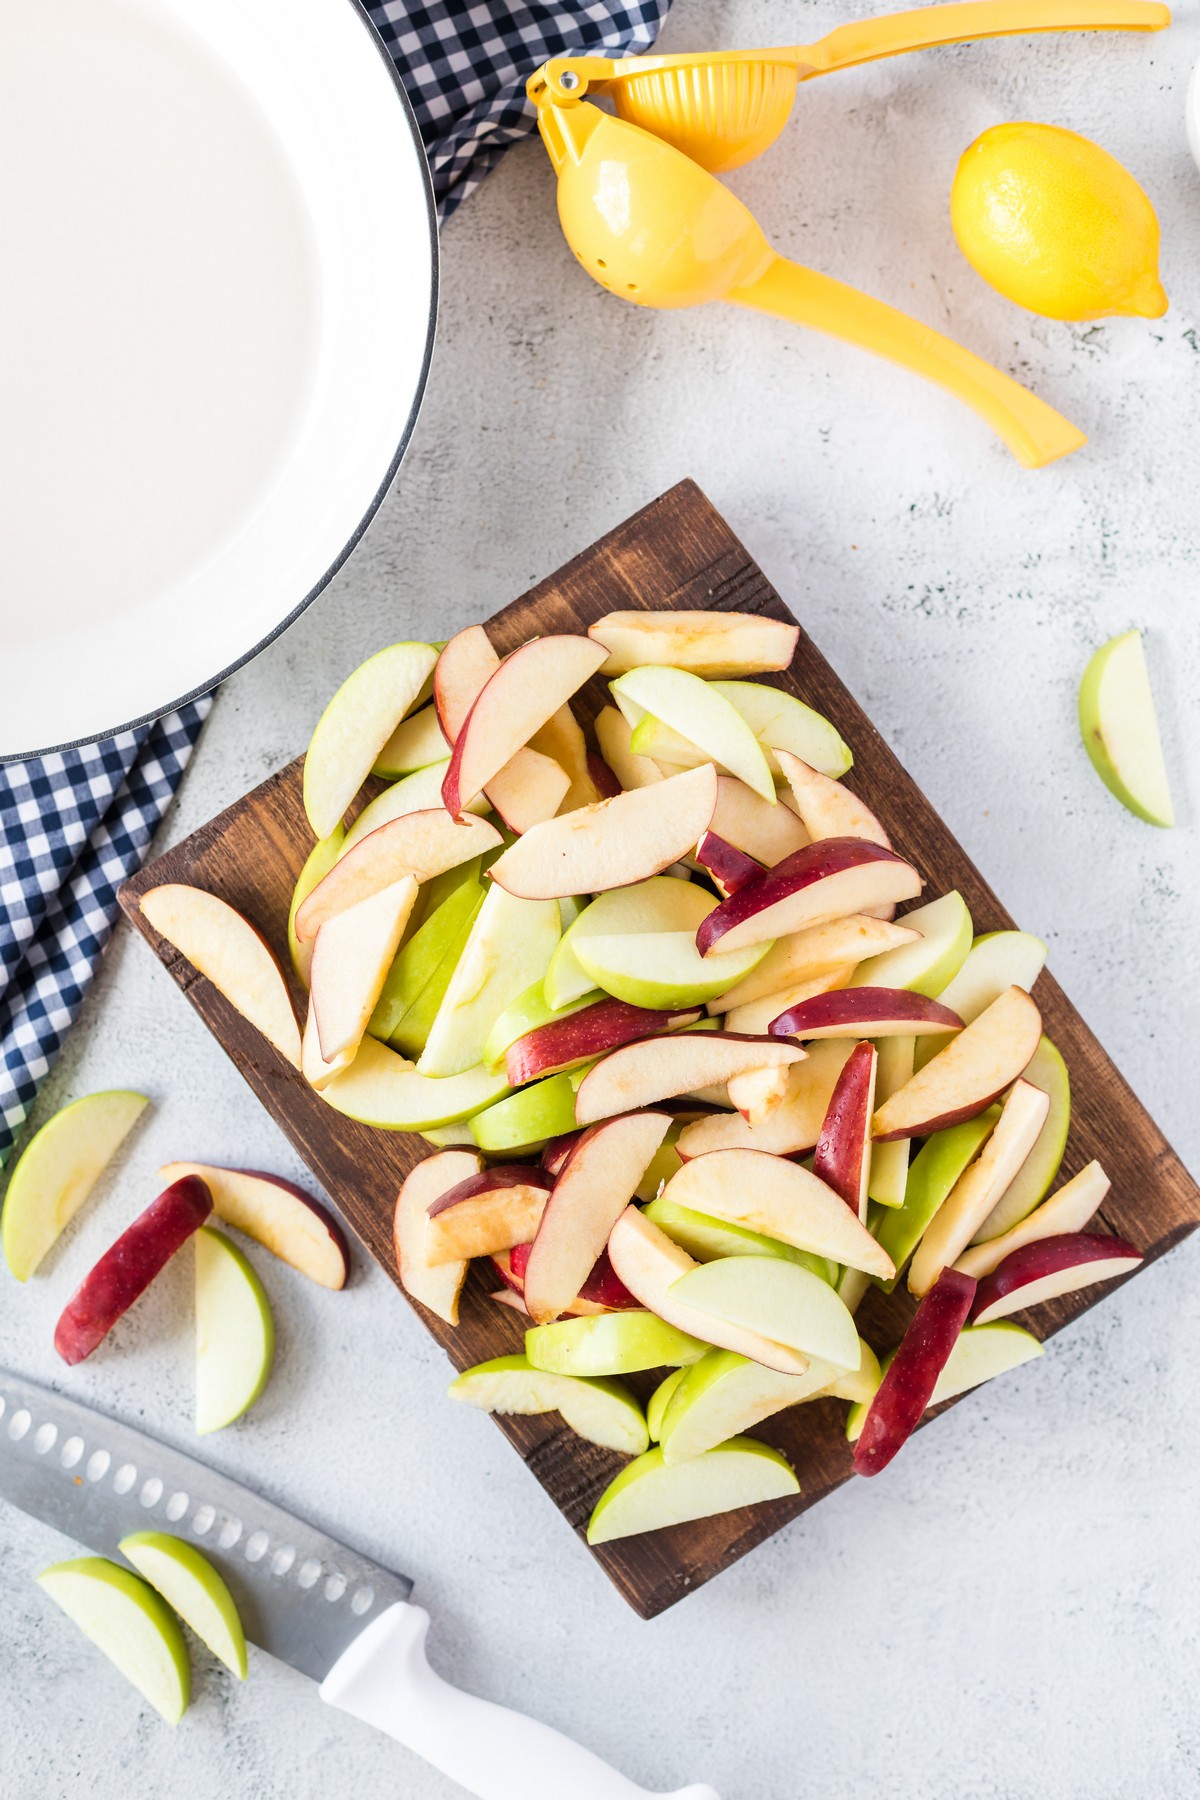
1033 431
868 40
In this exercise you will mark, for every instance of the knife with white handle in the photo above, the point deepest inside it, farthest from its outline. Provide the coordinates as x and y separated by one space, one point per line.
333 1614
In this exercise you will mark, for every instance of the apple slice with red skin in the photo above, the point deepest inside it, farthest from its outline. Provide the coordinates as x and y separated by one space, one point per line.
757 1093
793 1127
750 823
973 1069
593 1031
658 1068
597 1182
603 778
487 1212
421 844
436 1286
276 1214
866 1012
226 949
1049 1268
466 665
522 791
1069 1210
805 955
826 808
843 1154
529 789
556 1151
904 1393
613 843
757 1016
510 1266
825 880
129 1265
729 867
603 1291
524 693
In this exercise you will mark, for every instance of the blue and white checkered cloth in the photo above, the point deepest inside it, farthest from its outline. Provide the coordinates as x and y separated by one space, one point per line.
75 824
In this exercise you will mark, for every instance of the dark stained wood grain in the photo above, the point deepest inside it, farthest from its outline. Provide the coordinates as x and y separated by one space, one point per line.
677 552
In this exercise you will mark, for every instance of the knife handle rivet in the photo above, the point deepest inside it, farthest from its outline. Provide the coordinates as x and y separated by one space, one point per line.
45 1438
256 1546
151 1492
71 1452
98 1465
19 1424
124 1478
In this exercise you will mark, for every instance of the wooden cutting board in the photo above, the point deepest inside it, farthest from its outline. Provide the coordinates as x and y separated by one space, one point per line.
677 552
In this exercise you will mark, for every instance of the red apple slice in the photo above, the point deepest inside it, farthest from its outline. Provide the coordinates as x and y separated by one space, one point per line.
593 1031
867 1012
487 1212
904 1393
464 668
128 1267
226 949
765 832
826 880
778 1199
525 691
758 1093
598 1181
826 808
963 1079
980 1185
276 1214
603 778
613 843
420 844
556 1151
757 1016
1050 1268
843 1154
796 1124
350 962
658 1068
705 643
603 1291
532 784
529 789
803 956
729 867
1069 1210
437 1287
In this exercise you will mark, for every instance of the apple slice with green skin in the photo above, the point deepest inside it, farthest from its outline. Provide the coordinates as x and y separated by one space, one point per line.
529 789
602 1411
419 845
706 643
1070 1210
793 1127
526 1014
188 1582
129 1265
853 1286
229 952
826 808
415 743
585 1033
651 1494
596 1184
356 725
995 961
980 1353
659 1401
612 844
906 1389
758 1093
510 946
757 1016
351 958
665 903
613 733
1120 731
1033 1180
410 1034
607 1344
963 1079
729 867
130 1624
318 863
825 880
523 1122
803 956
420 792
485 1213
235 1333
928 965
699 713
779 1300
657 1068
888 1177
57 1170
781 722
866 1012
443 930
843 1154
650 1265
437 1286
276 1214
976 1191
705 1239
1050 1268
750 823
383 1089
660 968
780 1199
725 1394
934 1171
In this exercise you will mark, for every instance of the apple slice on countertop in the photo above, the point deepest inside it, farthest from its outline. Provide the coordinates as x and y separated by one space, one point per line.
943 929
757 1093
602 1411
356 725
781 722
586 1032
1120 732
420 845
756 1017
995 961
317 865
706 643
129 1265
1068 1211
225 948
235 1333
843 1152
607 1344
655 1069
826 880
887 1180
130 1624
906 1389
725 1394
613 733
777 1299
651 1494
980 1353
188 1582
803 956
750 823
826 808
1033 1180
700 714
729 867
793 1127
490 1211
383 1089
780 1199
974 1068
509 947
1050 1268
351 958
706 1238
416 742
57 1170
437 1286
866 1012
612 844
591 1192
276 1214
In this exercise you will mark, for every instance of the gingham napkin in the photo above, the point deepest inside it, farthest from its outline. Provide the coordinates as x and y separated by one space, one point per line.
73 825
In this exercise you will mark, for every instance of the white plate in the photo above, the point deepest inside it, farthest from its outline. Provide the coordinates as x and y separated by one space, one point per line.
218 284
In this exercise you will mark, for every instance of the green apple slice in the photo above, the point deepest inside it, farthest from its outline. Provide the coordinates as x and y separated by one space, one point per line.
926 966
699 712
651 1494
318 863
980 1353
662 969
510 946
779 1300
887 1179
442 927
188 1582
995 962
126 1620
659 1401
525 1120
663 903
664 1163
935 1169
528 1012
381 1088
598 1409
1046 1070
419 792
356 725
411 1034
708 1239
781 722
58 1169
724 1394
415 743
1120 729
615 1343
235 1332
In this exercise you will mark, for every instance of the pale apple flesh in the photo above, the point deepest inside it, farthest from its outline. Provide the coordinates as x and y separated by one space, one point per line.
826 808
965 1077
888 1178
276 1214
866 1012
189 1583
725 1394
356 725
780 1300
57 1170
466 665
487 1212
616 1343
602 1411
592 1031
805 955
509 947
1046 1070
826 880
705 1238
782 722
603 1290
421 844
757 1016
235 1332
130 1624
1050 1268
701 715
943 939
1071 1209
759 1093
905 1391
351 958
843 1151
612 734
416 742
980 1354
1119 727
996 961
655 1069
706 643
651 1494
528 790
767 832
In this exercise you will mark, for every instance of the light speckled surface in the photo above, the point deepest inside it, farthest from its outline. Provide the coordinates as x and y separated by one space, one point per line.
1013 1608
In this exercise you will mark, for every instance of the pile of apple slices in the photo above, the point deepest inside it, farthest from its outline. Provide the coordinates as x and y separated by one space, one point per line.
692 1085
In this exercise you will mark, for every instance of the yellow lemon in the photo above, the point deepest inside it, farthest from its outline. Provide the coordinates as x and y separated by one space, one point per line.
1056 224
